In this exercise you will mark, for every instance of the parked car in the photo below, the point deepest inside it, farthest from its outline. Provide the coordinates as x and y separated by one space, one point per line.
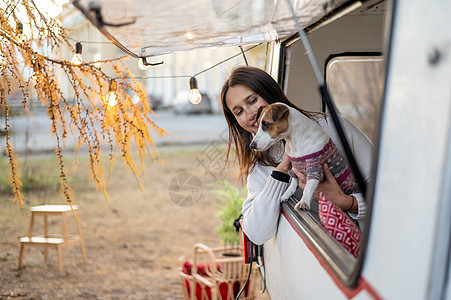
155 101
182 105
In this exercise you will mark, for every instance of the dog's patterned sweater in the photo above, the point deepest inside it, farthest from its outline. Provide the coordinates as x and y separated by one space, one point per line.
312 167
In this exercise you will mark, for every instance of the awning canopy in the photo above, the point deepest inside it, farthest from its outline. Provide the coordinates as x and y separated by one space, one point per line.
153 27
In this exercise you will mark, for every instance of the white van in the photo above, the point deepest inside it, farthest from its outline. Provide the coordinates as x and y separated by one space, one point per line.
387 64
388 68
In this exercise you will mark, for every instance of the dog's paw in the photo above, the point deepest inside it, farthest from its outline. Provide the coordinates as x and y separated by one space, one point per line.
297 207
302 204
285 197
290 191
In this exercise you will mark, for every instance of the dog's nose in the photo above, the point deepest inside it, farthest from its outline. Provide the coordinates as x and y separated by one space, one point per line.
254 145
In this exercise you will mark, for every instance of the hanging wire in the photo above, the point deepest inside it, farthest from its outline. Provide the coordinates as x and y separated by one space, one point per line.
150 77
245 284
198 73
244 56
11 9
88 42
330 105
221 62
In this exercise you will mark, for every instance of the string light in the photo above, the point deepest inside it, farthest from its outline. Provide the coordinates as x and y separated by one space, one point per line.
135 99
194 96
186 76
111 98
19 27
33 72
76 60
189 36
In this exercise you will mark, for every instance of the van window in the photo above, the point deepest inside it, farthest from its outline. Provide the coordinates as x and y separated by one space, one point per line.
355 84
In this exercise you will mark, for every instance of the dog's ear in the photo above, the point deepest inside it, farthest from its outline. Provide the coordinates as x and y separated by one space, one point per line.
259 112
279 111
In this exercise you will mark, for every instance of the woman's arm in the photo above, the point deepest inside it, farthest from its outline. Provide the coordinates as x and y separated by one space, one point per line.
362 149
261 209
331 190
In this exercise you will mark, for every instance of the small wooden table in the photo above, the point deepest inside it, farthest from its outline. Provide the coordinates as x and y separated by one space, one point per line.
52 240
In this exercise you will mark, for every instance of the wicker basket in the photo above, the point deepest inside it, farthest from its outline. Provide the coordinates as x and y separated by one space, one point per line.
216 273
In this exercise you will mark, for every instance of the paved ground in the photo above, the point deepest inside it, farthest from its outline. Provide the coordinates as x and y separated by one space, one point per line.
34 131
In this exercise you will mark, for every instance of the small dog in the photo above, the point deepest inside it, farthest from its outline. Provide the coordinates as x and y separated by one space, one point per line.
307 146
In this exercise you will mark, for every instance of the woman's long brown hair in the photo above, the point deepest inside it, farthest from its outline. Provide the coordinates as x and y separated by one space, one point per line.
266 87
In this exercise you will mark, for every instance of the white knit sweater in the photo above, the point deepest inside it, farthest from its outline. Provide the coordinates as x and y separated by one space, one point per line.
261 209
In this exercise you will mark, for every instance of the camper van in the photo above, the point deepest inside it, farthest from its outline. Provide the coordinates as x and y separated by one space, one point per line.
386 65
387 68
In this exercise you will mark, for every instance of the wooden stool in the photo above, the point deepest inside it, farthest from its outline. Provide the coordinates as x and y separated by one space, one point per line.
52 240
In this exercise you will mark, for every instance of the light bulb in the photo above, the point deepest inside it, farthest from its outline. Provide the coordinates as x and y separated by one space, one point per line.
19 27
141 64
111 99
194 96
135 99
76 60
189 36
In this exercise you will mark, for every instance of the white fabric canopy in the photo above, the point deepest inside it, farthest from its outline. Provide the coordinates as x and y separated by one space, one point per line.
156 27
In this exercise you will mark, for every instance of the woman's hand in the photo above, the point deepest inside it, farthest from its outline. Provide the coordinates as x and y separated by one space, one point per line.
331 191
284 166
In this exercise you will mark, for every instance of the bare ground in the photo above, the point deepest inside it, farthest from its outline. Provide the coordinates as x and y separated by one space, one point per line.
133 242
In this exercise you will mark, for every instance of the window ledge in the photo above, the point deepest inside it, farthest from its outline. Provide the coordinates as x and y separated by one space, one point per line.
331 254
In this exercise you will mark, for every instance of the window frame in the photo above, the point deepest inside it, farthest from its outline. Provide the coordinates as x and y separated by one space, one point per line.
329 59
333 257
345 54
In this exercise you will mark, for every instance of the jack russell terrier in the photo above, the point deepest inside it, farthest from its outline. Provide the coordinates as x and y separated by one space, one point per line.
307 146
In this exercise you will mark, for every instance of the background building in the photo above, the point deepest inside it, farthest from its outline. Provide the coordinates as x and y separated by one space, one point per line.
165 80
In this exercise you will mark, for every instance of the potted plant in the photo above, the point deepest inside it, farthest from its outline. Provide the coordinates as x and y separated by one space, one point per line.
221 270
228 210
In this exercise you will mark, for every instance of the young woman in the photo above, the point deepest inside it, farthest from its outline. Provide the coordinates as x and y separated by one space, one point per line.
246 89
266 173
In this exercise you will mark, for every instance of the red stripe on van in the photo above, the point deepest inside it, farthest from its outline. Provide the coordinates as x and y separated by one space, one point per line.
350 293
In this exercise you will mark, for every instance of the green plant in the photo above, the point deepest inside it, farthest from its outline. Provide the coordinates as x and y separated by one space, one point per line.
36 178
36 175
229 208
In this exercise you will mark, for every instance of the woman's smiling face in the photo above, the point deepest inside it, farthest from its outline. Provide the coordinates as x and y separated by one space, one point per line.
244 103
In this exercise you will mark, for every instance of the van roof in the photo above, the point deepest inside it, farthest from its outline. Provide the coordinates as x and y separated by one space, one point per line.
152 27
